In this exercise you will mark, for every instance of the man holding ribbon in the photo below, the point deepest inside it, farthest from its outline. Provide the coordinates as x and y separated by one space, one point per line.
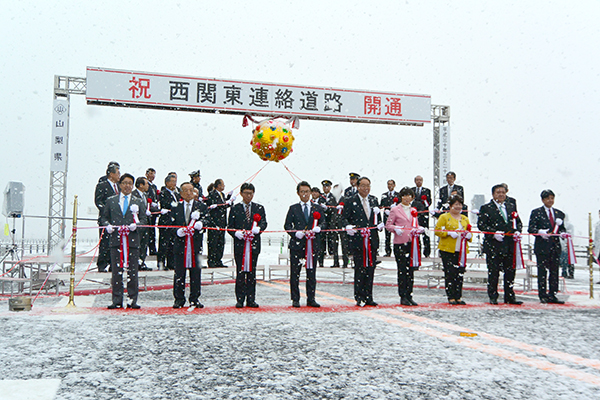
121 215
246 221
422 202
190 216
547 223
362 218
303 223
501 224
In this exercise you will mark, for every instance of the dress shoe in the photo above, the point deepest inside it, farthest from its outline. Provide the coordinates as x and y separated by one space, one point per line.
296 304
554 300
405 302
313 303
133 306
239 304
359 303
460 302
253 304
493 301
371 303
543 300
412 302
454 302
514 302
196 304
115 306
177 305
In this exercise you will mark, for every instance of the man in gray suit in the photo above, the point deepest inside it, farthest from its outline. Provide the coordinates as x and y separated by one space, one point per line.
121 215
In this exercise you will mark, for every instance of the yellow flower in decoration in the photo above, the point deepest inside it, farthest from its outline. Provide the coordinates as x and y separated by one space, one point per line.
272 140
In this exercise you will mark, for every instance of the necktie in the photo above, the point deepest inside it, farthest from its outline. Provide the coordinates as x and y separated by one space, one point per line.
125 205
187 213
503 212
551 217
419 193
365 207
247 207
222 199
306 212
114 185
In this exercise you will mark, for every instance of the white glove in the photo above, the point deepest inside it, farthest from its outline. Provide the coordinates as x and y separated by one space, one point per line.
476 212
256 230
316 229
181 232
543 233
564 235
230 194
420 230
233 198
398 231
339 207
148 213
376 210
164 211
195 215
380 226
387 212
132 227
299 234
135 209
230 202
110 228
213 206
499 236
198 225
434 211
173 204
559 221
155 205
239 235
452 234
350 230
469 235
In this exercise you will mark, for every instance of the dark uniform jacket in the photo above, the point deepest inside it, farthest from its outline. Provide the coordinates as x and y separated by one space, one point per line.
490 220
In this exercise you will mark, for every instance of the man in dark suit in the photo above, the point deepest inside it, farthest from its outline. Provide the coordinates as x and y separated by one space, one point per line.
217 209
193 215
423 198
168 201
246 221
119 216
361 217
352 190
496 217
330 239
387 201
153 195
301 224
543 222
141 188
105 189
446 191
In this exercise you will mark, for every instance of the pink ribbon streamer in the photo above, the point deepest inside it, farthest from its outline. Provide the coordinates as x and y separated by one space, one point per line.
571 250
124 239
248 236
462 258
415 245
190 260
518 251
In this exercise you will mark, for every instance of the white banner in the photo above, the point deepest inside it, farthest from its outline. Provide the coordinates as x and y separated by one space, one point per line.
444 152
60 134
143 89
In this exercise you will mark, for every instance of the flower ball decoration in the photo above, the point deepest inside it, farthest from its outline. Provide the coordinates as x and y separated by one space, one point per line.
272 140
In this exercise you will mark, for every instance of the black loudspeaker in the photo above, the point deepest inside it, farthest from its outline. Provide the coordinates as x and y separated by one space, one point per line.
14 200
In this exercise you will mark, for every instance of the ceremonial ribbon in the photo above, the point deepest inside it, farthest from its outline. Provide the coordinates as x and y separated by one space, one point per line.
340 207
310 235
424 199
124 239
514 216
248 236
557 224
367 256
415 245
571 250
462 258
190 260
518 257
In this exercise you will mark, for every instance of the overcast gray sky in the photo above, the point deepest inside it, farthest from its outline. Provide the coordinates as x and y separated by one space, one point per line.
521 79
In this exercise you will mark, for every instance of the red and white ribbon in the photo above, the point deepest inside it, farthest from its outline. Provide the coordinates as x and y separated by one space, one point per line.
415 245
340 207
248 237
514 216
310 235
124 240
518 261
571 250
367 256
424 200
462 258
190 260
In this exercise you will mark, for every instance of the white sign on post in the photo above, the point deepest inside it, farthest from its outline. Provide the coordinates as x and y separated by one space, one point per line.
60 133
444 152
143 89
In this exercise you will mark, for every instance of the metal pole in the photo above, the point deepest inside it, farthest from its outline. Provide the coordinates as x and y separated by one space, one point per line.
591 257
71 302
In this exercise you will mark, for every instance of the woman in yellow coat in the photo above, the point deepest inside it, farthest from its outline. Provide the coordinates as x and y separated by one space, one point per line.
451 227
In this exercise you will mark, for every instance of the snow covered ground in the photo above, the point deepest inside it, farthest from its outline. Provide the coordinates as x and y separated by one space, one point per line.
337 352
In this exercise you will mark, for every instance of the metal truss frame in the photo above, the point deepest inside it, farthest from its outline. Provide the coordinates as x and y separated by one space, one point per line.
440 115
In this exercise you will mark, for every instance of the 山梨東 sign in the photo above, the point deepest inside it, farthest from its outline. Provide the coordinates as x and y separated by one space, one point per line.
166 91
